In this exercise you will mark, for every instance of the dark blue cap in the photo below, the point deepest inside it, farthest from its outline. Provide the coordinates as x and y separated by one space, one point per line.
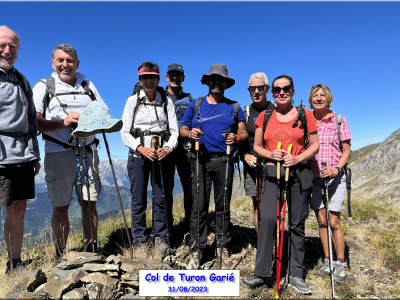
175 67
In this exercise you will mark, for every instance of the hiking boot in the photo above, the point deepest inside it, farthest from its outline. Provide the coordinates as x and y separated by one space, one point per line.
254 281
12 265
325 270
340 272
139 246
161 244
226 260
299 285
194 260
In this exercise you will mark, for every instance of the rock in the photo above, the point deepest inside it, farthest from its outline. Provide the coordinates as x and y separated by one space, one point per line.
74 255
94 291
133 266
97 258
40 289
26 295
112 274
113 258
62 275
129 284
79 293
101 279
37 279
128 276
131 296
100 267
54 288
73 280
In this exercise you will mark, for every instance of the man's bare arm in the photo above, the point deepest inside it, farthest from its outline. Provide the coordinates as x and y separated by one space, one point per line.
48 125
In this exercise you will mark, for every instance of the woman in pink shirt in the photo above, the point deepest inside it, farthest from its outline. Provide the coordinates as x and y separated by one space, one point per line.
330 152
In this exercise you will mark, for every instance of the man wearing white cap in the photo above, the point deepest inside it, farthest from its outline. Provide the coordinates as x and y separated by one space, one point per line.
59 101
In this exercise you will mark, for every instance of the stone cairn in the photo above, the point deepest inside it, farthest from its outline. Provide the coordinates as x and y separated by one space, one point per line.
83 275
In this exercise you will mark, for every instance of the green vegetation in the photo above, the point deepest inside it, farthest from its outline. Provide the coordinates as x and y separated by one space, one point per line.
345 290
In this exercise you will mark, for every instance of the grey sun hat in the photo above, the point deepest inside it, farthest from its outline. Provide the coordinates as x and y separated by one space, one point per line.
94 119
221 70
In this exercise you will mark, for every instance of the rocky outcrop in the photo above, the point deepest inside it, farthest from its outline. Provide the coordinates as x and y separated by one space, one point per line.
376 173
82 275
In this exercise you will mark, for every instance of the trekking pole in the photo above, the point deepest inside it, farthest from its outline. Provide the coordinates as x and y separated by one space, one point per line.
197 148
80 191
153 191
278 217
329 232
119 196
290 220
228 152
163 198
88 192
348 187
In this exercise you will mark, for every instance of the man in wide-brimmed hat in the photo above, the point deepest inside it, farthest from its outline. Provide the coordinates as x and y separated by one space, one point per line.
59 102
207 120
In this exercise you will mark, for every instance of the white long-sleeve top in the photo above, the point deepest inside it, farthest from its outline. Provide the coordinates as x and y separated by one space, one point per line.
146 119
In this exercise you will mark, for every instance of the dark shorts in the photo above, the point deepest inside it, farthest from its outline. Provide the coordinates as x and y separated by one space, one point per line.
16 183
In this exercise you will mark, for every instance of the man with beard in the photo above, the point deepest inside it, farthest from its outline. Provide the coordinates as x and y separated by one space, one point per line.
258 88
19 158
175 77
59 102
207 120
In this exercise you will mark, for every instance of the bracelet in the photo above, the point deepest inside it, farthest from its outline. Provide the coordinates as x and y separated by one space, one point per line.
190 133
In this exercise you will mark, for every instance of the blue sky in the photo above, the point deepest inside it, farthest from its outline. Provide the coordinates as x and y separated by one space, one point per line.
353 47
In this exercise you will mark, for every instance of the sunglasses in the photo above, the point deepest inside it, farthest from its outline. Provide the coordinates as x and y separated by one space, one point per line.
277 89
151 76
260 88
216 78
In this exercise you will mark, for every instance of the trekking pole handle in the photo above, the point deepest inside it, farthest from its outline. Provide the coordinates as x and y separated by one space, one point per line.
154 142
196 145
289 151
228 147
278 168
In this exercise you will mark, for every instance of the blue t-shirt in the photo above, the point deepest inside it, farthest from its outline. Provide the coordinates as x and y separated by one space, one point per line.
217 118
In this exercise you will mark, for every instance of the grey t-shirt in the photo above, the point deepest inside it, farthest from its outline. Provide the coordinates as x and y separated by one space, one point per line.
17 114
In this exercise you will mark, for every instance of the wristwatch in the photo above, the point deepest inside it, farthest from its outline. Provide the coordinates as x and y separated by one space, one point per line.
190 133
339 169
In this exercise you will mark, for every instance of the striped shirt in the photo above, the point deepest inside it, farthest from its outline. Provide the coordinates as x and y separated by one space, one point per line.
329 150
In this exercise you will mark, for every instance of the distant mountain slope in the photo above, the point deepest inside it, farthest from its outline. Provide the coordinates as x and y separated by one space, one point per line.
376 170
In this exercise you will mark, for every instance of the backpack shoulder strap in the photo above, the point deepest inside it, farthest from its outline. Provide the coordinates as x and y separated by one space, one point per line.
21 81
338 123
163 94
267 116
138 102
301 115
197 105
88 90
49 94
247 111
235 111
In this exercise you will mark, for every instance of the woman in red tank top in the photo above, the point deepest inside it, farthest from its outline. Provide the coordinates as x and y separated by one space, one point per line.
280 129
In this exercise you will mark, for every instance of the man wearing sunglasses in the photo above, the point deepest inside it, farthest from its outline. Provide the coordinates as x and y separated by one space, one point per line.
216 123
175 77
19 159
258 88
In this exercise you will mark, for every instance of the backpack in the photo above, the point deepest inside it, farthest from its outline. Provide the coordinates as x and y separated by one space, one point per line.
21 84
346 168
49 95
137 132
